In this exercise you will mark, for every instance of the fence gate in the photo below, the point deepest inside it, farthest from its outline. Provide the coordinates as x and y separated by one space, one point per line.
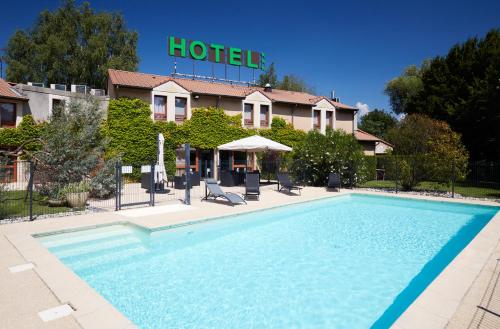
135 185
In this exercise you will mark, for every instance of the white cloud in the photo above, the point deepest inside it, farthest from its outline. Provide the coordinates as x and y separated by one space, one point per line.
363 109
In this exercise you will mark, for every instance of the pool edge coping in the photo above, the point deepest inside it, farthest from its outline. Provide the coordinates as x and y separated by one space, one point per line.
93 309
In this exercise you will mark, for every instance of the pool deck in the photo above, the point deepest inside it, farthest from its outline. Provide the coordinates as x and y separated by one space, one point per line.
450 300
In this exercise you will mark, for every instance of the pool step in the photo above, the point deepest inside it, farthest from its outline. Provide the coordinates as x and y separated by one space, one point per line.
70 238
105 262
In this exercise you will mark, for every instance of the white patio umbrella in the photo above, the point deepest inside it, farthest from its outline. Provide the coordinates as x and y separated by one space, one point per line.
160 173
254 143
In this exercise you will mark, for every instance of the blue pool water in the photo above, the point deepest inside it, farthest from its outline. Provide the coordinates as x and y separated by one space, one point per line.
345 262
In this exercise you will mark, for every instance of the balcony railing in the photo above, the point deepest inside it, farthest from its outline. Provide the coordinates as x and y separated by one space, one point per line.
180 117
160 116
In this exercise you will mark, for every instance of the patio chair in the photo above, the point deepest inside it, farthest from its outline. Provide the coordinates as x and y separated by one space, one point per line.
252 185
284 183
214 192
333 181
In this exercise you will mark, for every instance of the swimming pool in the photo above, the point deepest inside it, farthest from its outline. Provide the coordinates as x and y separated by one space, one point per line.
352 261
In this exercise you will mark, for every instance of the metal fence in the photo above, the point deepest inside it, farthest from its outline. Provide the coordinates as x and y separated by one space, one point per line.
479 179
23 191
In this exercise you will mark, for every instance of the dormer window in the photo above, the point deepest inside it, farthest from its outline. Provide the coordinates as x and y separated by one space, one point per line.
248 115
264 115
329 119
160 108
180 109
316 119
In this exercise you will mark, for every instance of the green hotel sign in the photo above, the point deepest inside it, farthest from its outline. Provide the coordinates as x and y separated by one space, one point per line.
201 51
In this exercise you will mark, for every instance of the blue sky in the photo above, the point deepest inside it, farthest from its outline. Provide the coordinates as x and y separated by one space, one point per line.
353 47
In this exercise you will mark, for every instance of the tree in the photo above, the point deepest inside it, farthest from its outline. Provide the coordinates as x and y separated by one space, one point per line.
461 88
405 87
290 82
72 45
294 83
425 148
377 122
269 76
72 147
335 151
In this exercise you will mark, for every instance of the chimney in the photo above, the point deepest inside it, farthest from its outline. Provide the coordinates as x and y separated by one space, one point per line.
333 95
268 88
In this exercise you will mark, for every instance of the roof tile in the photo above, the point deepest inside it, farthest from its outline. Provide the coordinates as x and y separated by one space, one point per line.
150 81
7 91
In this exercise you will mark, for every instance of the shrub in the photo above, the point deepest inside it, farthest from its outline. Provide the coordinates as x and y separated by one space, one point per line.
103 184
426 149
75 187
26 133
283 132
71 146
335 151
210 127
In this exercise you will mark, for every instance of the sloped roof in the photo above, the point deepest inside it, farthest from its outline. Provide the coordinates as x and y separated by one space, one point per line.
362 135
150 81
7 91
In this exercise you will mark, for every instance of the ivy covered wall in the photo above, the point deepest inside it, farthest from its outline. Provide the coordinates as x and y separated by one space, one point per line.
28 130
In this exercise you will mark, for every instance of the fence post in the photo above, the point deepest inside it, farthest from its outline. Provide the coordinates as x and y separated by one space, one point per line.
187 195
351 175
30 189
117 186
152 186
453 179
397 173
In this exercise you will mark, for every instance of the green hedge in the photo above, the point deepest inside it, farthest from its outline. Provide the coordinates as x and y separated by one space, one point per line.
210 127
284 133
27 130
133 135
368 170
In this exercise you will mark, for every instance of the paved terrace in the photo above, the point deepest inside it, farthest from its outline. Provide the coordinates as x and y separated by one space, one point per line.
449 301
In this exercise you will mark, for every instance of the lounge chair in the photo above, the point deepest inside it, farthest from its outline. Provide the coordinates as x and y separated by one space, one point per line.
284 183
214 192
252 185
333 181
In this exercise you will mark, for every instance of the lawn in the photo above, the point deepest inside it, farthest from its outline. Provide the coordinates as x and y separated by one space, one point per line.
461 188
16 204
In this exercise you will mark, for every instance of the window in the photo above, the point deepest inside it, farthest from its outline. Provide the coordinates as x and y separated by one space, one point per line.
7 115
160 112
180 109
264 115
58 104
317 119
329 119
248 115
8 171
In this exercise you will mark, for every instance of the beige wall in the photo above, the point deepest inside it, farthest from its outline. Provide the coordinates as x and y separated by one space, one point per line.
143 94
231 105
283 111
368 147
298 115
344 120
204 101
302 118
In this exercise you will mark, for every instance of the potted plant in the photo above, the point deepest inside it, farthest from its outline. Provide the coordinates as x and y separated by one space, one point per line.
55 199
76 194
